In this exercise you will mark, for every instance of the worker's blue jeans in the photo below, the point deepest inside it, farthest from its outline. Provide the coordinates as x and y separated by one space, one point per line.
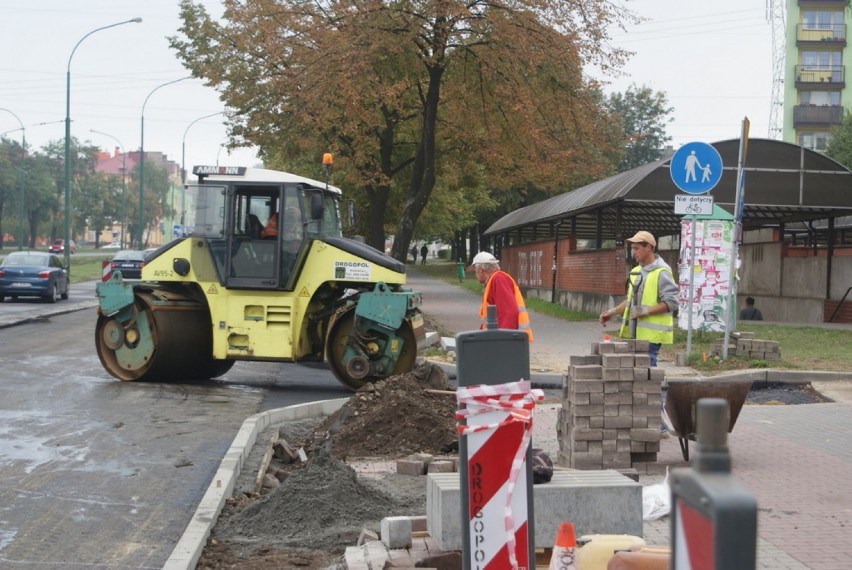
653 352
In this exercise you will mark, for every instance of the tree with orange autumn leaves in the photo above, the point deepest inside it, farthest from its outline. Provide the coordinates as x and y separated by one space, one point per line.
469 100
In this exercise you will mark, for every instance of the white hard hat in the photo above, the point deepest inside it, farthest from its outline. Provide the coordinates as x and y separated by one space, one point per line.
483 257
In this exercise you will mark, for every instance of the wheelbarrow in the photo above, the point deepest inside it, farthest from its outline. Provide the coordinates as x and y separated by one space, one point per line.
682 403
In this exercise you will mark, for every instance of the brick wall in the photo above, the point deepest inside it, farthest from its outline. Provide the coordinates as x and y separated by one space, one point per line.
599 271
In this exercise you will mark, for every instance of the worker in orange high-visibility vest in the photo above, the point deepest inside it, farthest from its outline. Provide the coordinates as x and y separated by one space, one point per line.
502 292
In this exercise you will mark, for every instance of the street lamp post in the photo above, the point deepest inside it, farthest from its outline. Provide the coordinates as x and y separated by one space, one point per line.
142 153
67 232
21 175
183 166
123 183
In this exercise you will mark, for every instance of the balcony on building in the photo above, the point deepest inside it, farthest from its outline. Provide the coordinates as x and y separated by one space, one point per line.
816 76
824 3
817 116
821 35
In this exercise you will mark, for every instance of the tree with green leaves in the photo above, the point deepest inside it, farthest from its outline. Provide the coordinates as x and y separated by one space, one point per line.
154 200
643 114
41 198
413 97
12 169
840 143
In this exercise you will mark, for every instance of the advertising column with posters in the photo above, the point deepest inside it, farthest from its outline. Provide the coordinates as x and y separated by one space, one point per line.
712 271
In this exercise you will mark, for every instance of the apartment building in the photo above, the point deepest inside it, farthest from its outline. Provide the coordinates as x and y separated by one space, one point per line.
816 95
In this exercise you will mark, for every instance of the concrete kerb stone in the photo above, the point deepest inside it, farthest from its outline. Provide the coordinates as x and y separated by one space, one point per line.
776 375
45 313
544 380
194 538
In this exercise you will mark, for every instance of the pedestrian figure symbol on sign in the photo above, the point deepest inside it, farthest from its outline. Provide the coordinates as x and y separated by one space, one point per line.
691 163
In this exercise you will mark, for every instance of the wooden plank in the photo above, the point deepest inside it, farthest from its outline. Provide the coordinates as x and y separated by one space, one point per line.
264 463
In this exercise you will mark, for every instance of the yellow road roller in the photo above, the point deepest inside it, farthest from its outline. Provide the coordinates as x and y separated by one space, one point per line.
262 272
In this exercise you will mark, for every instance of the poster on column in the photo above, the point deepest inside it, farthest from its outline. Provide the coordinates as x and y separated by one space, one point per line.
712 269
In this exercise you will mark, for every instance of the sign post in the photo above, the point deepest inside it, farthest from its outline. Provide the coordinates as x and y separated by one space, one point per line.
737 236
687 162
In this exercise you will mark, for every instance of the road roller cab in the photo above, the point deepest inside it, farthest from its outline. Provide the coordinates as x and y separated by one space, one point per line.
264 274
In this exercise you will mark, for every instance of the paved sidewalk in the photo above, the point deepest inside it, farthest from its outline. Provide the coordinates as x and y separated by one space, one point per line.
795 459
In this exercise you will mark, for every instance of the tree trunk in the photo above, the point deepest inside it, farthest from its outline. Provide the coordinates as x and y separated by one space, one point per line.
423 170
377 198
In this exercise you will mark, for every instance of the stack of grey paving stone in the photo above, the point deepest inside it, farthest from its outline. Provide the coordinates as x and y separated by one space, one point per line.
746 346
610 417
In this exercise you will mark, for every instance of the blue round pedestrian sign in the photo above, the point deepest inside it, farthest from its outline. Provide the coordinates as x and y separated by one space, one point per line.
696 168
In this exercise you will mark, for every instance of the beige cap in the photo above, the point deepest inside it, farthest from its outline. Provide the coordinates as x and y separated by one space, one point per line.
643 236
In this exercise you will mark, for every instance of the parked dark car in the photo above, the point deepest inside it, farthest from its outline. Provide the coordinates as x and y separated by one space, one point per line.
130 262
33 274
58 246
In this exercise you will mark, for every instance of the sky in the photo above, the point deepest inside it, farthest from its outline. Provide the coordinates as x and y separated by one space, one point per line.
113 71
712 59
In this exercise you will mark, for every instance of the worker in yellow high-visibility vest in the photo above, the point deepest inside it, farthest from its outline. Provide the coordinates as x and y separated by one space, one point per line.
648 311
502 292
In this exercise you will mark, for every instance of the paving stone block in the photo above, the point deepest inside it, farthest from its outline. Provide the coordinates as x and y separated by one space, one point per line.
614 398
589 386
626 374
643 360
586 372
646 434
641 374
625 421
396 532
365 536
409 467
591 410
419 523
584 360
628 360
586 434
440 466
611 360
610 374
657 374
586 461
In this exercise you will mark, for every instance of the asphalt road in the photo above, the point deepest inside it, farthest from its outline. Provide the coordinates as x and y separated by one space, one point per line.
100 473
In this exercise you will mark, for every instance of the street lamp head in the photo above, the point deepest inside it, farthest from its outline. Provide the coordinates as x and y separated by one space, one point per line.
136 20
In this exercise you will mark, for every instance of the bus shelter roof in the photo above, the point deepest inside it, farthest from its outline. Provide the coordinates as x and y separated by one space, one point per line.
783 184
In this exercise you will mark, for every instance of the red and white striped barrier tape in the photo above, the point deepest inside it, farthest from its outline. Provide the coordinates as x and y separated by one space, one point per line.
517 401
